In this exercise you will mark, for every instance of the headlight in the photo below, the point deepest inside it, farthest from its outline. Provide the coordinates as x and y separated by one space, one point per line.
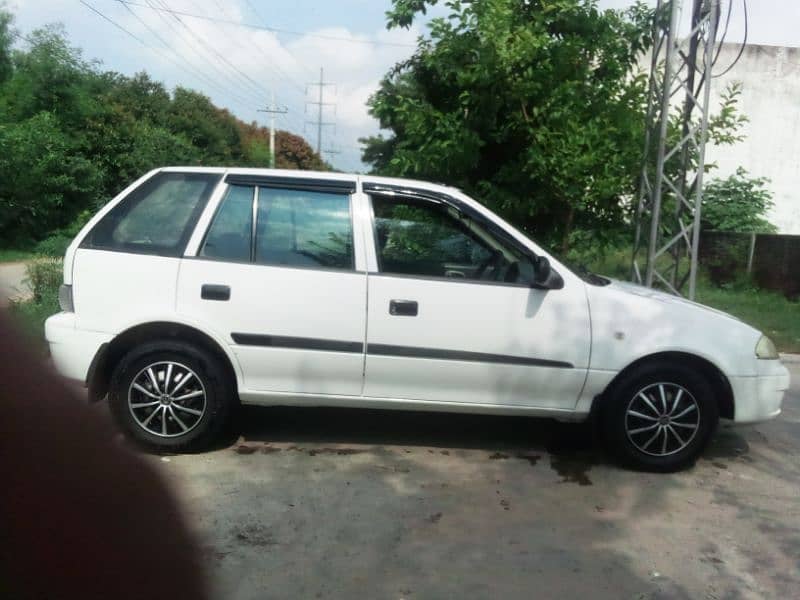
765 349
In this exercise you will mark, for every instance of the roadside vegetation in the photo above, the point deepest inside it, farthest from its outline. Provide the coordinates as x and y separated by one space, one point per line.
535 109
72 135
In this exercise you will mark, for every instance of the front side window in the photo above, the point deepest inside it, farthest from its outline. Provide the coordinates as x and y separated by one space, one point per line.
298 228
157 217
429 239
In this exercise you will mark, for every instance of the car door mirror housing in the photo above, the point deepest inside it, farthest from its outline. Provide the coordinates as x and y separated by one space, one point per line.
545 277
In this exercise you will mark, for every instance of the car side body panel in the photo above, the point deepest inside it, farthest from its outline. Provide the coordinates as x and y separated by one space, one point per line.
303 336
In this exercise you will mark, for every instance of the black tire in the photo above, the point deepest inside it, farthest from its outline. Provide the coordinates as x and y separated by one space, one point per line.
219 397
619 425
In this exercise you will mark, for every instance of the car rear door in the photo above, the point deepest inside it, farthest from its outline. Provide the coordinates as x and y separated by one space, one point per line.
278 275
452 317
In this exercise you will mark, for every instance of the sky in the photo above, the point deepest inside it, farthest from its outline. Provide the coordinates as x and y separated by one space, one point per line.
240 67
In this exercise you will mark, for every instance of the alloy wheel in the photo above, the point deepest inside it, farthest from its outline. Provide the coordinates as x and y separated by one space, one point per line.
167 399
662 419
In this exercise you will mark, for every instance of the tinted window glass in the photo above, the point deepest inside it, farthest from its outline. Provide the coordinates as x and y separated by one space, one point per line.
157 217
304 229
434 240
231 231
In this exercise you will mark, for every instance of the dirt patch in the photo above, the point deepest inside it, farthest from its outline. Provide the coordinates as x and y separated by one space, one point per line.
254 535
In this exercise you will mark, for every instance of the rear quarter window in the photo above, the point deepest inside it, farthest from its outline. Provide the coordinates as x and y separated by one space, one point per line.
158 217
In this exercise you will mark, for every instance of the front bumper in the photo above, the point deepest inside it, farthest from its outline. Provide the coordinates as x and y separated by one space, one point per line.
759 397
72 349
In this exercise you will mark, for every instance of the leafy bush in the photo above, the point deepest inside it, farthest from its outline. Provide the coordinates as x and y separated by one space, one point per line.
738 203
55 245
72 136
44 276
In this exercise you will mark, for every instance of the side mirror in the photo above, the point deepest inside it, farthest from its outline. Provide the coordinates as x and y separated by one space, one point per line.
544 276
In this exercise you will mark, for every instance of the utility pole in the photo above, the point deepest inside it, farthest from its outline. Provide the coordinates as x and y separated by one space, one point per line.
671 183
331 152
322 84
273 110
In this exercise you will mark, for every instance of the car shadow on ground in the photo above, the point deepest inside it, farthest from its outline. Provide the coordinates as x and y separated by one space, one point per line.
572 449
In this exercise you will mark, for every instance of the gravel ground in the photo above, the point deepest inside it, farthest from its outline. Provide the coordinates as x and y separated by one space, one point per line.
323 503
12 276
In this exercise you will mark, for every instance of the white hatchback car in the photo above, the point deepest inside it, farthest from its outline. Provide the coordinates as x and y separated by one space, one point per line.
199 288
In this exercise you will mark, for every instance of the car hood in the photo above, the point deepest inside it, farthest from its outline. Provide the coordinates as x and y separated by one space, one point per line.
670 299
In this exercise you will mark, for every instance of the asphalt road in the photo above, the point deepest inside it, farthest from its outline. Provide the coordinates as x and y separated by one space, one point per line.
319 503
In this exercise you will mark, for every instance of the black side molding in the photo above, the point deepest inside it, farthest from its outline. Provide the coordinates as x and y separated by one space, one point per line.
280 341
439 354
337 186
301 343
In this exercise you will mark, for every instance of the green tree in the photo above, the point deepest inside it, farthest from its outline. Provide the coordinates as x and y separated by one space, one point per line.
6 37
737 203
72 135
44 182
534 107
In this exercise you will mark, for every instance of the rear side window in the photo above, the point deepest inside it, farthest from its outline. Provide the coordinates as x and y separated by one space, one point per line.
293 228
157 217
230 234
299 228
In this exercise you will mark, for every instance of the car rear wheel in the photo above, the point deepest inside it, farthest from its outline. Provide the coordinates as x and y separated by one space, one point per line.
660 417
170 396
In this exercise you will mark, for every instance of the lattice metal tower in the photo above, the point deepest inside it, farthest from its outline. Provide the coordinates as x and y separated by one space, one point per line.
671 184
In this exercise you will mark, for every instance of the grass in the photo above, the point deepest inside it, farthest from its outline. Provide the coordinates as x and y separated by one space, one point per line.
14 255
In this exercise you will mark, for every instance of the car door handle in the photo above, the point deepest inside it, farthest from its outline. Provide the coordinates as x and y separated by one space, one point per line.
211 291
403 308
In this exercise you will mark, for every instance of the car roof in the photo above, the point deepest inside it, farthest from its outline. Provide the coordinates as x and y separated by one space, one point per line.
322 175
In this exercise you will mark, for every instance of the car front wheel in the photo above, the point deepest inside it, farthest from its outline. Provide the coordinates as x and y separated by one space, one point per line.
660 417
170 396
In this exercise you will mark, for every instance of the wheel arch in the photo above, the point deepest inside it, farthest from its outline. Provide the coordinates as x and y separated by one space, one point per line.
719 382
109 355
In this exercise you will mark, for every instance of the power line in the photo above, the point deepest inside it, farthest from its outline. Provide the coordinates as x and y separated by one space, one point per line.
741 48
114 23
274 29
268 60
135 37
189 66
254 84
264 21
208 60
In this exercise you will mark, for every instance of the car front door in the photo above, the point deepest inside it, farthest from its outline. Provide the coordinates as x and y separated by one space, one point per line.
277 275
453 318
